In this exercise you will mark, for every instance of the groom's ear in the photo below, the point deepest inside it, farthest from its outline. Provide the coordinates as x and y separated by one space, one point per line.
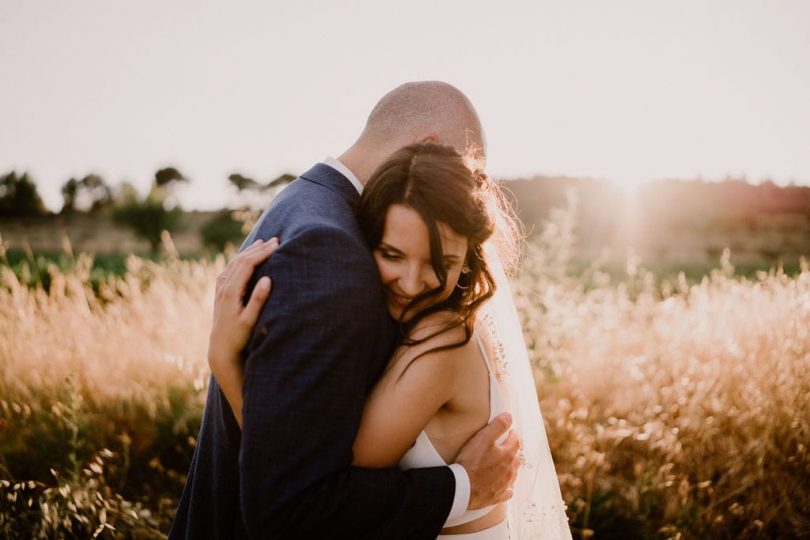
427 137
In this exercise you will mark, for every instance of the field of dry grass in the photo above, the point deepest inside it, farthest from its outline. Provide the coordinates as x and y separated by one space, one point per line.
679 411
102 394
673 411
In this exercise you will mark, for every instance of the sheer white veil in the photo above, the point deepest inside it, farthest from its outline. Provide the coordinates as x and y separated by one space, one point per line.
537 510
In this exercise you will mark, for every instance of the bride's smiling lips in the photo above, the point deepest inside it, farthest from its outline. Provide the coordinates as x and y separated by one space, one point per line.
398 299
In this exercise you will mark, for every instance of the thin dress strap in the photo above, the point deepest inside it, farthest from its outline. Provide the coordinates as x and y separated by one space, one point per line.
496 402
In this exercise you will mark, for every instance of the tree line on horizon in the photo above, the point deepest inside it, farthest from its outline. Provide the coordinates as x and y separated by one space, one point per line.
666 205
147 216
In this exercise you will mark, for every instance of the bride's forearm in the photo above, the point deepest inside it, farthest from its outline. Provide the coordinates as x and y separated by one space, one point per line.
230 377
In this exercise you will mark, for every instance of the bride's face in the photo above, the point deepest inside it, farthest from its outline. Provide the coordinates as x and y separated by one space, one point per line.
403 260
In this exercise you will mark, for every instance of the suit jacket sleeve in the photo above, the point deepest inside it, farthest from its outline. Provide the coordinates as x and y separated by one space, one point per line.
306 376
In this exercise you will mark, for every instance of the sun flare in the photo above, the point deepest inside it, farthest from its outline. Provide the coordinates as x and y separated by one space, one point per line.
629 185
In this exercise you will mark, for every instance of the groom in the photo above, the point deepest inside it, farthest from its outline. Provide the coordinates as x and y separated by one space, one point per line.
322 341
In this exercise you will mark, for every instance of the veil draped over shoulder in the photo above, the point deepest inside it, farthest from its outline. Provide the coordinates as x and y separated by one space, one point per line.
537 510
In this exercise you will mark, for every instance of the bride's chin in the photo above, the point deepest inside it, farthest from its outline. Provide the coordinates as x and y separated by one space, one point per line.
395 312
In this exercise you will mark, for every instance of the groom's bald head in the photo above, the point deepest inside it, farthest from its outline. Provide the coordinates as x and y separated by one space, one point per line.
425 110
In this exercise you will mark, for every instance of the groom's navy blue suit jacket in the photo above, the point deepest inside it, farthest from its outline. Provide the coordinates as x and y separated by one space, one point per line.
321 342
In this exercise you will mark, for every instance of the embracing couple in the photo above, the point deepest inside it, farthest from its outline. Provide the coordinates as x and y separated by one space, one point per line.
382 389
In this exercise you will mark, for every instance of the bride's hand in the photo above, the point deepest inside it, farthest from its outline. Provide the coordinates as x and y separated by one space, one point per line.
234 321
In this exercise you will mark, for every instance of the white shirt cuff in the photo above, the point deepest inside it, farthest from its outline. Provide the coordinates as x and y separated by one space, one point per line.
462 497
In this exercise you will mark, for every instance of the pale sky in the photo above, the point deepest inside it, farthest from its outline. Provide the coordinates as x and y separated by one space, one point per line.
622 90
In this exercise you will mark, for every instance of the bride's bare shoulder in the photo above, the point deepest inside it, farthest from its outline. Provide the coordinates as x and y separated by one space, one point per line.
439 339
439 329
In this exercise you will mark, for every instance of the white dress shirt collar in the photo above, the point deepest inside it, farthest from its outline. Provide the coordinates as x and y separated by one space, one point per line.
344 170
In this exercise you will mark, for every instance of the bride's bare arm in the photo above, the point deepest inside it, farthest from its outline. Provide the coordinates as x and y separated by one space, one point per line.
407 396
398 410
234 321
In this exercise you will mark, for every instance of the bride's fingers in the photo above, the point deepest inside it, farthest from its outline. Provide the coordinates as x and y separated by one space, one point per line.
255 254
256 247
239 257
261 252
258 242
241 268
249 264
257 299
248 251
227 272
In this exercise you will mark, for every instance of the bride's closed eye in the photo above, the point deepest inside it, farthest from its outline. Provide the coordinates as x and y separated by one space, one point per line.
389 255
448 263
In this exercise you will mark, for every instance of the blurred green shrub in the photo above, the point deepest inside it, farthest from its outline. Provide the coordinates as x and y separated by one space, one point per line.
222 230
148 218
19 196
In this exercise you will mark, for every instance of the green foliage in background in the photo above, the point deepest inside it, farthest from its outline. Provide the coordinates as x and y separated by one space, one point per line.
148 217
222 230
19 196
88 194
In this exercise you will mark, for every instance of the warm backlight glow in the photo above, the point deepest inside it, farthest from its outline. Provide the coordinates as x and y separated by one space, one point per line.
587 89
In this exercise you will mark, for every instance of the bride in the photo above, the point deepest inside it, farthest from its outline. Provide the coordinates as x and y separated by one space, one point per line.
432 222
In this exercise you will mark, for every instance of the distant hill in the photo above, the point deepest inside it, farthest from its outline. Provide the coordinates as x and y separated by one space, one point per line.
675 220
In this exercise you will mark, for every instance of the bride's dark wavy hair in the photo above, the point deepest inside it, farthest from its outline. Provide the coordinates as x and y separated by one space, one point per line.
436 182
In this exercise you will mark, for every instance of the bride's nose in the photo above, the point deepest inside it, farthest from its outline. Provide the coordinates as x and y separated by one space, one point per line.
415 281
409 283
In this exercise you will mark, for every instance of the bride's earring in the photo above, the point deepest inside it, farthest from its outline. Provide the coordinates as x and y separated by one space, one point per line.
465 272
